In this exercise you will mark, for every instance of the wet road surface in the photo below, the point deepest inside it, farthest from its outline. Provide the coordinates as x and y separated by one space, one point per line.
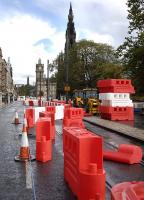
47 181
15 178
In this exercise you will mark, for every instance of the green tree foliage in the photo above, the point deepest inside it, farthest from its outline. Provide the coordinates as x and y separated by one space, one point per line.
87 62
132 51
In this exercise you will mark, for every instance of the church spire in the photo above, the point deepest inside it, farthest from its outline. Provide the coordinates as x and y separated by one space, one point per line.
70 16
70 32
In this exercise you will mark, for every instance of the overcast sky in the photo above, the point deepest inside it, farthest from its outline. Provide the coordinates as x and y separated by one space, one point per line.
30 29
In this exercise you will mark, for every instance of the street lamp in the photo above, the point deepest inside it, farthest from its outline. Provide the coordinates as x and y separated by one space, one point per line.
48 80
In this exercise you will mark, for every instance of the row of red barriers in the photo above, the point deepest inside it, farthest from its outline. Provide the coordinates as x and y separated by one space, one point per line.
83 163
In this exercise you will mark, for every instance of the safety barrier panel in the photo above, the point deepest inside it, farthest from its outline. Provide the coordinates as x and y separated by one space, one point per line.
83 163
117 113
114 96
73 113
115 103
73 117
37 111
52 116
31 103
30 116
50 109
43 139
128 191
126 153
115 85
59 112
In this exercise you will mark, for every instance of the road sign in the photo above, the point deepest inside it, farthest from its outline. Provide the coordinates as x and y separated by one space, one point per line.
67 88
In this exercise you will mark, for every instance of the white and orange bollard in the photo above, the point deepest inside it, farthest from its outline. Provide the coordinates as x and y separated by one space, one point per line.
24 149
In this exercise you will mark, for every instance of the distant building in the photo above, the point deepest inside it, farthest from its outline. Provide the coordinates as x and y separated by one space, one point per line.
41 83
6 80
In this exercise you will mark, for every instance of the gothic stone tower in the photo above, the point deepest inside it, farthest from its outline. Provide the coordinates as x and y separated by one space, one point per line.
40 79
70 32
70 40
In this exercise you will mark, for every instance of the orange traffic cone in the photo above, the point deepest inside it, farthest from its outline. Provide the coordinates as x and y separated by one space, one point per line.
16 119
25 125
24 149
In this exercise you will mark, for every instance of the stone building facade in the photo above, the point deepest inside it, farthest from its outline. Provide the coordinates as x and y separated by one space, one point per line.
6 81
44 88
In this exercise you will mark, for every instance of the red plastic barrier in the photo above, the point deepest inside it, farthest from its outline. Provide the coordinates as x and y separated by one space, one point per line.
31 103
40 103
116 86
117 113
30 115
128 191
43 128
43 149
73 113
83 163
73 117
126 153
43 139
73 123
52 116
50 109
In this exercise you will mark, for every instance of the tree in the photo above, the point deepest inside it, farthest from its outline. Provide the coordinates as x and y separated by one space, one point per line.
92 61
88 62
132 50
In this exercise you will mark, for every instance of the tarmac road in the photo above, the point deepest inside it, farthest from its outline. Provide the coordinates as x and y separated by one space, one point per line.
15 178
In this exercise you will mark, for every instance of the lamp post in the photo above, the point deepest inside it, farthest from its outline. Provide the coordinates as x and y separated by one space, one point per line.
48 80
40 88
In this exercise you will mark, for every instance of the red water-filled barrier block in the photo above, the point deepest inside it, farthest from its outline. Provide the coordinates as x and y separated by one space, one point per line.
43 149
73 123
115 86
128 191
73 117
43 128
83 163
30 116
117 113
31 103
50 109
73 113
52 116
126 153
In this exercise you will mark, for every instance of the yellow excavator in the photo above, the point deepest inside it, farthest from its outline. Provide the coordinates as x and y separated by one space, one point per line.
78 99
88 99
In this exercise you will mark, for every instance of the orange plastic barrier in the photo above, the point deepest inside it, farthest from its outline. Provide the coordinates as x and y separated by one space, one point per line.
73 117
128 191
117 113
50 109
83 163
43 150
126 153
52 116
43 140
30 115
116 86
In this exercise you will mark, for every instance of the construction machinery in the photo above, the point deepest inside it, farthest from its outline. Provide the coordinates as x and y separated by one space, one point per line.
88 99
78 98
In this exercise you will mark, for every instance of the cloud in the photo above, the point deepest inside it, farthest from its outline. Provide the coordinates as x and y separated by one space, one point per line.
18 37
36 28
